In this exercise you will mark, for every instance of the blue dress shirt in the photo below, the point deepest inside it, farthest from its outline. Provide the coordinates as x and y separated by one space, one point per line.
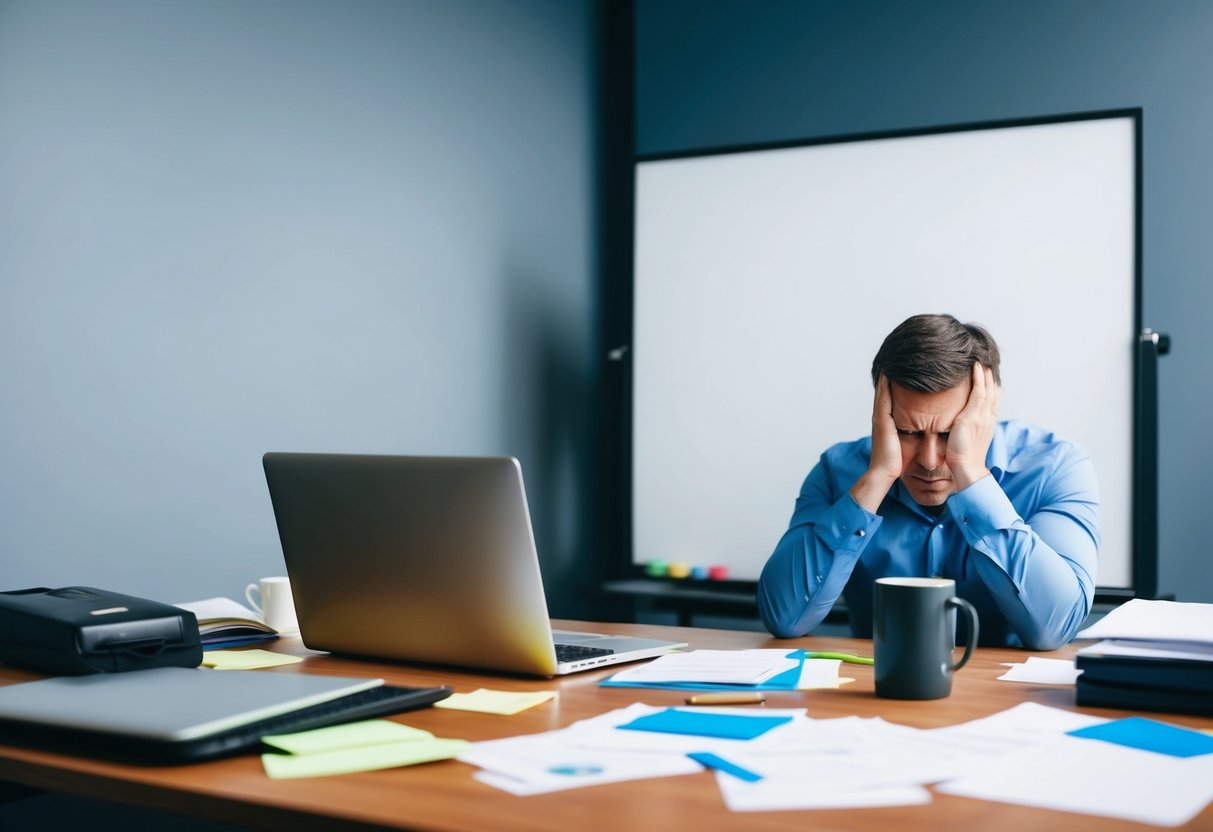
1021 544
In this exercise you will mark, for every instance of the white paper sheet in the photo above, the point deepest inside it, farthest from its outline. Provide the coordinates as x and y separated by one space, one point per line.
819 673
1070 774
733 667
1187 650
1041 671
775 795
1155 620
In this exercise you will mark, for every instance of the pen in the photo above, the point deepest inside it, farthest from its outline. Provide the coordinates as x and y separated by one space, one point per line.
749 698
842 657
705 758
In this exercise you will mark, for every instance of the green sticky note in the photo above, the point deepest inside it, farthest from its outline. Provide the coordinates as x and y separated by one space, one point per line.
245 659
352 735
368 758
504 703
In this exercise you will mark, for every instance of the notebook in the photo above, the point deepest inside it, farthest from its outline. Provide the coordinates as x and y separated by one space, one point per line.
179 714
424 559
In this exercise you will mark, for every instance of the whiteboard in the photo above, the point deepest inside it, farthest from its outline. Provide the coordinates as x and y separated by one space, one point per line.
765 281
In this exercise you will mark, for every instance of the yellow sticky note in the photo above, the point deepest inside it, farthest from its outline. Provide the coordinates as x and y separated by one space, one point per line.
245 659
368 758
504 703
352 735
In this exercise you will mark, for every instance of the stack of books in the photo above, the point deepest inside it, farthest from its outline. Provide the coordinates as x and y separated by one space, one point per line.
1154 656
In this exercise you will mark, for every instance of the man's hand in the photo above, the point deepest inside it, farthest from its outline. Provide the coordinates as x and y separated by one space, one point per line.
973 430
886 463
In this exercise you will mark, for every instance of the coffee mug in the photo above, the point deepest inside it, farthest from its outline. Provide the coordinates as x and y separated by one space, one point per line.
913 634
274 603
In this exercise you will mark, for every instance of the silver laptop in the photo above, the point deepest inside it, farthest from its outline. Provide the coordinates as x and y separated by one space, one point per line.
425 559
178 714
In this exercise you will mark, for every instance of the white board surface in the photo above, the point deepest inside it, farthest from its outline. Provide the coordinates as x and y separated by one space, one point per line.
766 280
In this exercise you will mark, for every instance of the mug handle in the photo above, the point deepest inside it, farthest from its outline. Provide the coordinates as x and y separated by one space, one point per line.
971 615
248 594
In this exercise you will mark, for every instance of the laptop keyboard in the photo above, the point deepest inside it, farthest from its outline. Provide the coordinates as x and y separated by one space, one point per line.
377 701
577 652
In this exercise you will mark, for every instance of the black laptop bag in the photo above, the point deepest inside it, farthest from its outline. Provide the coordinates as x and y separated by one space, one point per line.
77 630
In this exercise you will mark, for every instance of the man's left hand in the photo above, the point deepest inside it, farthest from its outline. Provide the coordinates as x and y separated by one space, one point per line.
971 434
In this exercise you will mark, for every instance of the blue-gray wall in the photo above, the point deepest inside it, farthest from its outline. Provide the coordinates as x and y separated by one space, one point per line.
235 226
736 72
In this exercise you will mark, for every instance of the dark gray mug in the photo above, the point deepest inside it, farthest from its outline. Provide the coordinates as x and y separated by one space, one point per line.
913 633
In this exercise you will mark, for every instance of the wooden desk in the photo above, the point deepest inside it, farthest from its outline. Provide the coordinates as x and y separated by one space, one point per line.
443 796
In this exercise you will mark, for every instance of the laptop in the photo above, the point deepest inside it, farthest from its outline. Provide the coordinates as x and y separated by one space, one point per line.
181 715
425 559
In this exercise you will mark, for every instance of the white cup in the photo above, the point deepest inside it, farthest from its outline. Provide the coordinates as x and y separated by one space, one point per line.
272 600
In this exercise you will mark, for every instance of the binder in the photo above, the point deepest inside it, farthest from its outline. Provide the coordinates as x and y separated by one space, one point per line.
1142 697
1146 676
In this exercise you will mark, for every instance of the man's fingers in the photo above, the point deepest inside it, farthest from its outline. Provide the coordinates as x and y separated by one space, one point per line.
882 405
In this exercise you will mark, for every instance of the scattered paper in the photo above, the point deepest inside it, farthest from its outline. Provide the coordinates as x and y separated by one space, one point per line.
768 795
1075 775
548 762
1040 671
504 703
245 659
351 735
734 667
367 758
1155 620
817 674
1186 650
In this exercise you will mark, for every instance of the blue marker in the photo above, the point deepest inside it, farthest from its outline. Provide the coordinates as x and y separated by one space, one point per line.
720 764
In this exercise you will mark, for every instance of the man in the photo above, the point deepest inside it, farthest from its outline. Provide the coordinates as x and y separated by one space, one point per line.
942 488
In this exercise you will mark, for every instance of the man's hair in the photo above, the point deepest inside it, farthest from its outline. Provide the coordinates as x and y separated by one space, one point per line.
933 353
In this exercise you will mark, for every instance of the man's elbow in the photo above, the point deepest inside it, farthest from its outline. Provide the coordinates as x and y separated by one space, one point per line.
1044 642
1054 637
780 620
782 630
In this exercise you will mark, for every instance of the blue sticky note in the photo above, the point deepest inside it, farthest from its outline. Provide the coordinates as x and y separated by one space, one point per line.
707 724
1149 735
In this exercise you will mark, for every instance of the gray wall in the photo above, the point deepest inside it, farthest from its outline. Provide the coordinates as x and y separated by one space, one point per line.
235 226
735 72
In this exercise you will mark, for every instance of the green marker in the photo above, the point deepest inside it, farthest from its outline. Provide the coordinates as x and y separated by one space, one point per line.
850 658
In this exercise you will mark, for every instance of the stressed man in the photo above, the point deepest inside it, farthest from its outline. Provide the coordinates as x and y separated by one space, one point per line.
942 488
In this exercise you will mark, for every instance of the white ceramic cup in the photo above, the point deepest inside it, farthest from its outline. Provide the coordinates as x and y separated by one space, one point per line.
271 598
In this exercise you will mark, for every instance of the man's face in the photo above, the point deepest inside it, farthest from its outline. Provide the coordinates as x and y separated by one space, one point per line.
923 421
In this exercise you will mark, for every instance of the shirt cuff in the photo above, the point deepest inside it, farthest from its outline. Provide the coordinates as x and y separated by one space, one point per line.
846 526
982 509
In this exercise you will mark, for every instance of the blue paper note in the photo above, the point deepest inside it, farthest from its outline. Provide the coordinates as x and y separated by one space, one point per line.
707 724
709 760
1149 735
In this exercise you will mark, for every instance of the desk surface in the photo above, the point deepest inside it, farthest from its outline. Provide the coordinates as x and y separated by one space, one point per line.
443 796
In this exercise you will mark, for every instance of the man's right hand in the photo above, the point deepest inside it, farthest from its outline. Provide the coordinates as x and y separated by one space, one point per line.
886 465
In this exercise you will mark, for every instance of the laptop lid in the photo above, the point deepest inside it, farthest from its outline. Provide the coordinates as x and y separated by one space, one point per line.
177 714
169 704
426 559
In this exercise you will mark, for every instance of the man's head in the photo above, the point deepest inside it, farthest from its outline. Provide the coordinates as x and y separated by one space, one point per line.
933 353
928 360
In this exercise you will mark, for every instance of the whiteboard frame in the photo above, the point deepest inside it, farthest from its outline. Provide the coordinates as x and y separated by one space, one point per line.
1142 568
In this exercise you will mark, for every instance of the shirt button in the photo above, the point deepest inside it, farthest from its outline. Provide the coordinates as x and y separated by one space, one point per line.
860 533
